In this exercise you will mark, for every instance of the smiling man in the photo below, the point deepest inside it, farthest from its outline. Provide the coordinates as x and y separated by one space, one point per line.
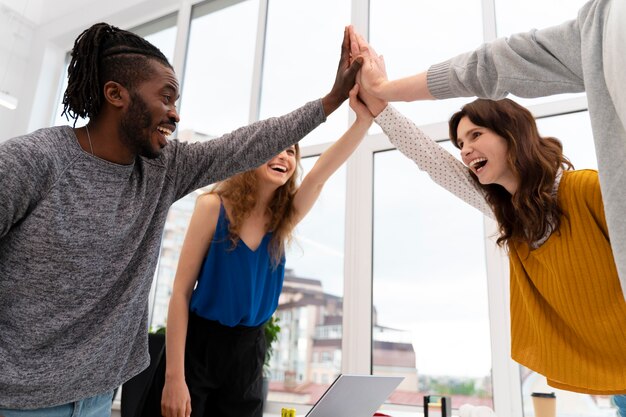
82 214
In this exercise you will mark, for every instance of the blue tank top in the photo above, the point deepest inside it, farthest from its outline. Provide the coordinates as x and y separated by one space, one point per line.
237 286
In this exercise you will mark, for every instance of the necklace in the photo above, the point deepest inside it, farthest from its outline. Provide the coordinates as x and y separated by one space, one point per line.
89 138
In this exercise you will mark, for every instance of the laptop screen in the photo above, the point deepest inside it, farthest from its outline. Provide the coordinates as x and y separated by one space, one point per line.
354 396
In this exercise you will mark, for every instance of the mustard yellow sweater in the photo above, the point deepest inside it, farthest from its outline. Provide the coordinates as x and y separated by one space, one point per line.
568 315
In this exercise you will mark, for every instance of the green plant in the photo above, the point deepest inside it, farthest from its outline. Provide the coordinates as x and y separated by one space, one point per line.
158 330
272 329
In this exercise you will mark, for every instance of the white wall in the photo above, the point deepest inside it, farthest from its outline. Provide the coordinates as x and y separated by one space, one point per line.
16 35
34 38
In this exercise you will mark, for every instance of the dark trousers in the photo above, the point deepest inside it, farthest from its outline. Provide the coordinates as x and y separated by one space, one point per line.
224 369
141 395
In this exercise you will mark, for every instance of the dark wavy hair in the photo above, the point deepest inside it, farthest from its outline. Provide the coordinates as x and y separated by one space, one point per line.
241 192
105 53
533 211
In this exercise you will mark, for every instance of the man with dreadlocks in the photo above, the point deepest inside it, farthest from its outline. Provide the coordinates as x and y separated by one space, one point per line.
82 214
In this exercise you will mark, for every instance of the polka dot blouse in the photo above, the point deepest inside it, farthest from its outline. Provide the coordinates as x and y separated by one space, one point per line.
432 158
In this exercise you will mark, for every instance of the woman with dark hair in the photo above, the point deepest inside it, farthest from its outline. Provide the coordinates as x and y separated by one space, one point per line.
584 53
528 210
230 276
568 315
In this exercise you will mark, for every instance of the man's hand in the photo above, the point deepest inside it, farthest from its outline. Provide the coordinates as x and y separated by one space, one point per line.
346 76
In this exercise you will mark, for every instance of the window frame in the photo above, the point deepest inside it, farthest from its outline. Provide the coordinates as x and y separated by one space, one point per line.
358 247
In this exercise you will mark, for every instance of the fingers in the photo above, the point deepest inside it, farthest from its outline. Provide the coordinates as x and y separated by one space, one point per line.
358 104
381 64
358 44
355 66
372 50
188 408
361 41
345 46
354 92
354 43
175 402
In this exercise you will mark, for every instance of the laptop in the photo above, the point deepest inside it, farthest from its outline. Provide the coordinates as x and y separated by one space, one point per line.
354 396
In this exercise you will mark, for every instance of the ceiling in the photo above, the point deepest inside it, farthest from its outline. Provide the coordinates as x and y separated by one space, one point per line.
39 12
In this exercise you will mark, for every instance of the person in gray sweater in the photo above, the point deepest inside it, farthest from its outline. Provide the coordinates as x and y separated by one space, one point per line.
82 214
583 54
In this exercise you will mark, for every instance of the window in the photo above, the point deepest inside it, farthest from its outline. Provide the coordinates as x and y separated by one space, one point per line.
311 303
431 321
302 51
413 35
161 33
429 278
217 86
515 17
209 107
574 131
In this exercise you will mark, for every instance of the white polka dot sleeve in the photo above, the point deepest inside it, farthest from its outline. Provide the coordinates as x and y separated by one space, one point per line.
430 157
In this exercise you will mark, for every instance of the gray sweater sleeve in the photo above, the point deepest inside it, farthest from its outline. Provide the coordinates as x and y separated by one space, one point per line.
532 64
196 165
24 179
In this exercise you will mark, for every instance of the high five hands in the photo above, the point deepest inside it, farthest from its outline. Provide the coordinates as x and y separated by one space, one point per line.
372 74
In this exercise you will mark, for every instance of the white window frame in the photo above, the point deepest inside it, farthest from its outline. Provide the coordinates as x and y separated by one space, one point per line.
357 328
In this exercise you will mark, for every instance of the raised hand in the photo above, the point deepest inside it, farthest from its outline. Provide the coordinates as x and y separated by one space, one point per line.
359 107
373 74
345 78
373 77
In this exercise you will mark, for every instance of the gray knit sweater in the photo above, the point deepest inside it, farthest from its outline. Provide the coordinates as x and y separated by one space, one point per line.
586 54
79 241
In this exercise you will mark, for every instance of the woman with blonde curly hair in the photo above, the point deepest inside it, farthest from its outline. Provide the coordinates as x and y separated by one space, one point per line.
233 255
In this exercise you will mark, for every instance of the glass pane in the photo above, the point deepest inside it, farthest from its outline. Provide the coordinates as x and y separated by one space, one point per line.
515 17
568 404
431 321
412 35
574 131
210 61
303 44
218 74
308 353
174 232
161 33
58 119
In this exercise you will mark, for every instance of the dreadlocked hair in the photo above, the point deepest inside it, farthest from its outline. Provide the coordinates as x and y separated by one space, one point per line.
105 53
533 211
241 192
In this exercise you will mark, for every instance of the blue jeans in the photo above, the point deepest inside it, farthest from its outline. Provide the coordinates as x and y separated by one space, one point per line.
620 403
98 406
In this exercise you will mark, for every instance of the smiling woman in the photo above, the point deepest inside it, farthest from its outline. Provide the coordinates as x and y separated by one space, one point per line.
481 147
516 167
230 276
551 219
